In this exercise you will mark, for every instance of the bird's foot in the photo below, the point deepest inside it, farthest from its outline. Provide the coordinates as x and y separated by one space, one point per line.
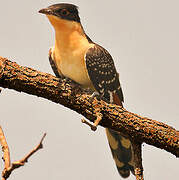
93 127
96 122
95 94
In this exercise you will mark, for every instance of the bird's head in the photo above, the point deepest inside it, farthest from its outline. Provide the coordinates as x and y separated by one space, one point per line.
62 15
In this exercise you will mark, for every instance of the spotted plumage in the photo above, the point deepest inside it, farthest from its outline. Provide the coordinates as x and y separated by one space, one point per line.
102 73
76 56
122 152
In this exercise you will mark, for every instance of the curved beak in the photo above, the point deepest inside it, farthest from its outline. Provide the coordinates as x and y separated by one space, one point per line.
46 11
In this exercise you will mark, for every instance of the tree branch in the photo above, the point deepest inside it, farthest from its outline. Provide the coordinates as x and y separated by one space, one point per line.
7 171
5 149
65 92
138 168
8 167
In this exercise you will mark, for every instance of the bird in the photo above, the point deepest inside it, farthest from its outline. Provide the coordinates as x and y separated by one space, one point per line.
75 56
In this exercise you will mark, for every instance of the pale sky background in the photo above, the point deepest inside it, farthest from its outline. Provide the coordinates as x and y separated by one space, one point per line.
143 38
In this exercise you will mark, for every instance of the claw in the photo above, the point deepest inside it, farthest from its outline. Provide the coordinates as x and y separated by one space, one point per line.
93 127
96 122
93 96
97 111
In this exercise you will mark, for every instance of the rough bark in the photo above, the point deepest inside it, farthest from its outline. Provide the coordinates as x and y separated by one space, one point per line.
69 94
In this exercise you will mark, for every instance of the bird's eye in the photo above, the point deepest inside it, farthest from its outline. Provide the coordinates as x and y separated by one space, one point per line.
64 12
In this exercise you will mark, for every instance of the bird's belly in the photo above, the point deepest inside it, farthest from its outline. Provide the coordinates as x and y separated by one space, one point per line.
75 69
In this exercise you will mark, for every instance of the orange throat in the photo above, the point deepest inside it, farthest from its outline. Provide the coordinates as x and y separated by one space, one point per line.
69 36
70 48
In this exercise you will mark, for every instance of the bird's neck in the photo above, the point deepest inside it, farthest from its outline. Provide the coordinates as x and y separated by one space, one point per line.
69 35
70 39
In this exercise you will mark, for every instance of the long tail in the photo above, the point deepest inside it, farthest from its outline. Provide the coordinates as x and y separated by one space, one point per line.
121 148
122 152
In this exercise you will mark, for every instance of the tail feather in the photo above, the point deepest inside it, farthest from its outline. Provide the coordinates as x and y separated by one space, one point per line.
122 152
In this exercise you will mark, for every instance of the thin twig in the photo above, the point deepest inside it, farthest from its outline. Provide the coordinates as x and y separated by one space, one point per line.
7 171
39 146
6 153
138 168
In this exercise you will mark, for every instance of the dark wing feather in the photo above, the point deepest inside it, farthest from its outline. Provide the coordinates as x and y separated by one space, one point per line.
105 79
53 64
102 72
